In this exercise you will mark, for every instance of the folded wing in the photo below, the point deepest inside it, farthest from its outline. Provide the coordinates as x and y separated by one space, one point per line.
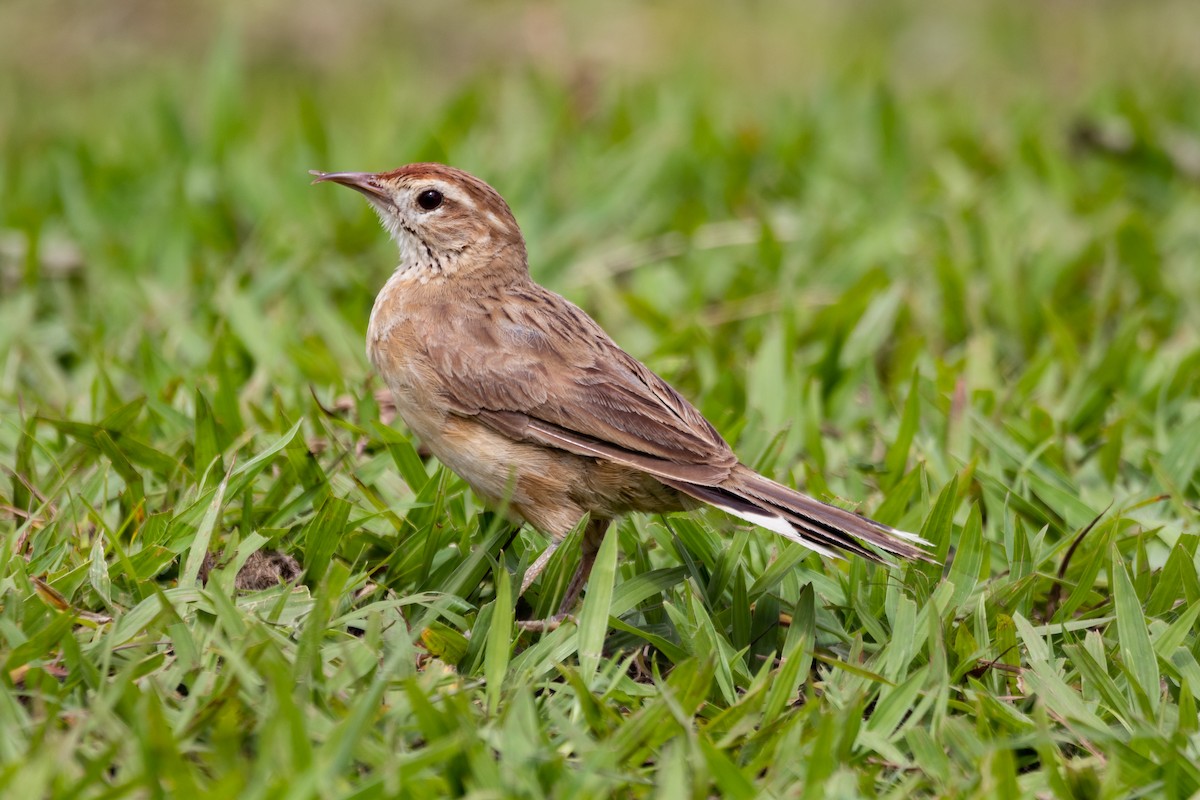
546 372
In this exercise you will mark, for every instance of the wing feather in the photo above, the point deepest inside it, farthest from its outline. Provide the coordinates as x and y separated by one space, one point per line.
542 370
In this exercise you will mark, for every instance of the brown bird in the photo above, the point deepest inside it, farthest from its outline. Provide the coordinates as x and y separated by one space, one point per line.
522 394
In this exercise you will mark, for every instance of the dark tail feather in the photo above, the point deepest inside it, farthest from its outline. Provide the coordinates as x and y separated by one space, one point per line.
824 528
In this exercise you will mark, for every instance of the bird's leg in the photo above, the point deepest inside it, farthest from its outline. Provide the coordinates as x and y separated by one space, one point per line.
539 565
593 535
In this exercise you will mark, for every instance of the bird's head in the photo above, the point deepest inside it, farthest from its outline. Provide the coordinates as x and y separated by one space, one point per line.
445 221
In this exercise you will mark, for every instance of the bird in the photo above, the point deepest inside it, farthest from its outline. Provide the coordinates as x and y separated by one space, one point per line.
535 406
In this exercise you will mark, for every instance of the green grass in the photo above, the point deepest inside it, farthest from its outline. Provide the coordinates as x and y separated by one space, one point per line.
957 292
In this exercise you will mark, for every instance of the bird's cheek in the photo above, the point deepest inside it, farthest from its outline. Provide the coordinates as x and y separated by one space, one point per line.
460 236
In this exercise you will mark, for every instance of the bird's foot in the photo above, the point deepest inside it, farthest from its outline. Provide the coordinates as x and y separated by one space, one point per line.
546 625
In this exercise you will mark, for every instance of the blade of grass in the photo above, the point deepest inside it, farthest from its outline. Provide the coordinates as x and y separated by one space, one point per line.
597 603
1133 635
499 639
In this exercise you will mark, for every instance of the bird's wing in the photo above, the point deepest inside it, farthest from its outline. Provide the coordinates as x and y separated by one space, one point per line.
537 368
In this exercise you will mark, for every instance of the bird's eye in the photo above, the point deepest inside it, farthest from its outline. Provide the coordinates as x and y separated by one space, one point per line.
429 199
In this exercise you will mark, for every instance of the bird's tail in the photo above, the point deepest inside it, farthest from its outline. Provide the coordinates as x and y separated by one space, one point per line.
819 526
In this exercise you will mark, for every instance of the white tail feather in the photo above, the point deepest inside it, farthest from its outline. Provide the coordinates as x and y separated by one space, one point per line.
781 526
909 537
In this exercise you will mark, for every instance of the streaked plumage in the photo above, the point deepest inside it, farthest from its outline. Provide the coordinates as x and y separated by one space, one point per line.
522 394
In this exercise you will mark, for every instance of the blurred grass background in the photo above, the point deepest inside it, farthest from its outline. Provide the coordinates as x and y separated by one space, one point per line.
936 261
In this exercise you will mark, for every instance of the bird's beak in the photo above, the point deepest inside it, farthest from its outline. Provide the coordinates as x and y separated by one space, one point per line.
365 182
